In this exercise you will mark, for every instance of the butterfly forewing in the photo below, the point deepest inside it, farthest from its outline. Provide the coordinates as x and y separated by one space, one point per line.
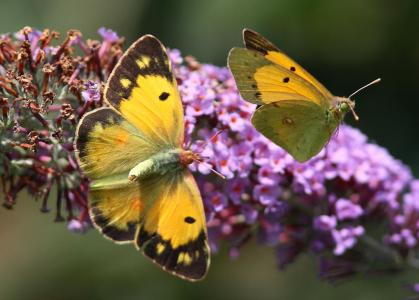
256 42
143 89
261 81
107 144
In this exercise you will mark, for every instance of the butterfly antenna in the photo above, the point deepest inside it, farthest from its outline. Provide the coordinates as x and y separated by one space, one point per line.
211 139
212 170
218 174
353 111
365 86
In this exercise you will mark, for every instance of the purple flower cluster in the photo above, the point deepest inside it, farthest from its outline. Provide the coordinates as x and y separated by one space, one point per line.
44 91
351 200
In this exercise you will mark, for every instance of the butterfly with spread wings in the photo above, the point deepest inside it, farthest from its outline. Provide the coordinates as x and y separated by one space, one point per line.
142 191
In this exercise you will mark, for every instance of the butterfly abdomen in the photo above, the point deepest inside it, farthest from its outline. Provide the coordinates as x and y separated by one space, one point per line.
157 165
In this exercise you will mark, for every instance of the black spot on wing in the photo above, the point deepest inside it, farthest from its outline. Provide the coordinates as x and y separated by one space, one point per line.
163 96
103 116
286 79
168 258
189 220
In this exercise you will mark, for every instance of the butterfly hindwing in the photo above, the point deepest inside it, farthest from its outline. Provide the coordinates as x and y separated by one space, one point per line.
301 127
116 212
261 81
143 89
173 233
256 42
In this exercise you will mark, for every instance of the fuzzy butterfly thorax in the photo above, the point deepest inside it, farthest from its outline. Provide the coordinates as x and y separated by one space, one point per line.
187 157
342 105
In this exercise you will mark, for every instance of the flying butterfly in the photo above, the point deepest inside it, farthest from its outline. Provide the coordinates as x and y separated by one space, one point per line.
295 111
141 190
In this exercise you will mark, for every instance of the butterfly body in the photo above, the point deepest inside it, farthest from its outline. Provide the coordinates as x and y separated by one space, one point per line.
339 108
162 163
141 190
294 111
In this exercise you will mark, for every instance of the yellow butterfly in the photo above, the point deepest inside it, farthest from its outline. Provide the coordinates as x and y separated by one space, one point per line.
296 111
142 191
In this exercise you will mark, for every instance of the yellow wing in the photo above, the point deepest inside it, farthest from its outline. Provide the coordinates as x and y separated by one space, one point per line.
107 144
173 233
255 41
107 147
143 89
264 74
116 212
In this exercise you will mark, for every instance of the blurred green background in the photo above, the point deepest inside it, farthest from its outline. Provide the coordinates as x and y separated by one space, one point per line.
345 44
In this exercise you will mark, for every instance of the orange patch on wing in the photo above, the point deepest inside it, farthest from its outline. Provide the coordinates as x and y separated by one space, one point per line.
137 204
122 138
